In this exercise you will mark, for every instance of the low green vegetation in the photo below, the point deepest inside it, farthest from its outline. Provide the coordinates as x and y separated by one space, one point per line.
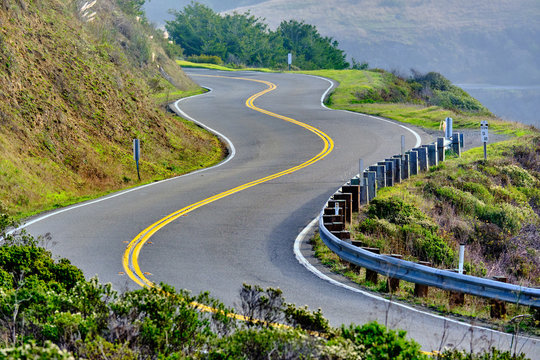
421 99
191 64
491 206
49 311
244 40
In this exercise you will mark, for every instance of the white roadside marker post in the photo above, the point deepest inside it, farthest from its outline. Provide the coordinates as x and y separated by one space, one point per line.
485 136
461 257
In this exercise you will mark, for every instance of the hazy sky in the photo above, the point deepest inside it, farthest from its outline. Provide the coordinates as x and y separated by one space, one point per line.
157 10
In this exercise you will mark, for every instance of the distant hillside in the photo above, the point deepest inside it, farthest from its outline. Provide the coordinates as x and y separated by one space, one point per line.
157 10
493 41
75 89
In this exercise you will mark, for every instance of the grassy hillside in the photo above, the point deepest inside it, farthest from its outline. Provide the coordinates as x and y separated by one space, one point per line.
492 206
382 93
468 41
75 89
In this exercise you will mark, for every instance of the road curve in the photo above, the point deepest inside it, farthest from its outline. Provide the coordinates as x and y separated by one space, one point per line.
248 237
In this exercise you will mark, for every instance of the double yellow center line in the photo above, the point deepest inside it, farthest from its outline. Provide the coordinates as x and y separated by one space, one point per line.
130 259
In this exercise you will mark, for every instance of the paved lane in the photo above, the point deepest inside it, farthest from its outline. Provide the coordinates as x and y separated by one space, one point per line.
248 237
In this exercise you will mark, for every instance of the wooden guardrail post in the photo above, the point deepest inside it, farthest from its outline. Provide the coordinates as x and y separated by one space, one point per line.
389 172
393 283
456 298
413 162
397 169
371 183
433 158
421 290
498 307
456 144
440 149
364 199
422 159
405 166
380 176
371 275
354 190
347 198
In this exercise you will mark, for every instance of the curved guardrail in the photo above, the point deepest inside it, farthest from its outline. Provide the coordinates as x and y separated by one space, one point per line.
421 274
425 275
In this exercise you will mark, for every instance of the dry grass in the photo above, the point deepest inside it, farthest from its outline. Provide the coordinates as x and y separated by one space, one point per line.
475 310
71 101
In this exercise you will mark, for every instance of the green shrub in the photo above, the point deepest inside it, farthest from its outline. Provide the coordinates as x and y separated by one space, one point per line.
478 190
395 210
378 227
266 344
205 59
454 100
305 319
30 350
427 245
382 343
519 176
100 349
432 80
26 261
6 280
490 238
167 322
463 201
506 216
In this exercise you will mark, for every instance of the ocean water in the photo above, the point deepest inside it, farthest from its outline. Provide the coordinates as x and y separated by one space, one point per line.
515 103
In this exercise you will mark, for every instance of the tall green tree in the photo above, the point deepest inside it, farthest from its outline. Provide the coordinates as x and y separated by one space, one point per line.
244 39
311 49
197 28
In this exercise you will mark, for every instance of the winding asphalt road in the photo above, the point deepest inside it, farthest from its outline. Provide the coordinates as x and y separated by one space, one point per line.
248 236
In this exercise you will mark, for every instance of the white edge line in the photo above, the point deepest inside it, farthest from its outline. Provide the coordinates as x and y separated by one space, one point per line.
416 135
301 237
230 146
302 260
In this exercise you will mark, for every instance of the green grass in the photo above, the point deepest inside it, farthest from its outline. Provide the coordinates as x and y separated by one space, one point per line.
189 64
353 81
168 95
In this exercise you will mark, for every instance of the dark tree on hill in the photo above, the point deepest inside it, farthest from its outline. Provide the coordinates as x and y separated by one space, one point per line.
311 49
197 28
244 39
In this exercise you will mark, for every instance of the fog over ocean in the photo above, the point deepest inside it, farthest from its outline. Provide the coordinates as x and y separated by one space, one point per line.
515 103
